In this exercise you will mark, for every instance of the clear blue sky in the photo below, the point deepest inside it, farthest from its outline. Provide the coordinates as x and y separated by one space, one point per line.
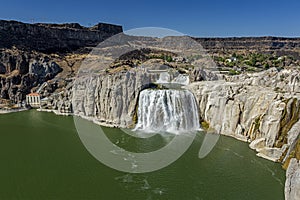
208 18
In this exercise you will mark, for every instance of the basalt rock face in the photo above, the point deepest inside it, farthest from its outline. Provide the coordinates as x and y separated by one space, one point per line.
110 99
22 71
292 184
262 108
53 38
278 45
31 54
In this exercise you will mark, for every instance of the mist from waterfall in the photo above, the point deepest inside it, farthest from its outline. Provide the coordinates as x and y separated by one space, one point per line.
167 110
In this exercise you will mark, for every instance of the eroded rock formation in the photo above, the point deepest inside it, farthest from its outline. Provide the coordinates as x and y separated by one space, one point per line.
263 109
53 38
292 184
278 45
110 99
22 71
31 54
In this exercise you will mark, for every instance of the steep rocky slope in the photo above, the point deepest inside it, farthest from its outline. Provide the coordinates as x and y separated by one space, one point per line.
53 38
32 54
21 71
110 100
262 108
292 184
277 45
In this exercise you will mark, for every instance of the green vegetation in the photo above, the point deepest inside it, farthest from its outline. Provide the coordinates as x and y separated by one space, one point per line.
251 62
164 57
233 72
251 69
168 58
219 59
205 125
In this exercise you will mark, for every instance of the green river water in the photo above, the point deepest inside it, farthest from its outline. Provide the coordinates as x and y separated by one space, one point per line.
42 157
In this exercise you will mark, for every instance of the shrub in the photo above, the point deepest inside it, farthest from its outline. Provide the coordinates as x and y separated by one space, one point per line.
233 72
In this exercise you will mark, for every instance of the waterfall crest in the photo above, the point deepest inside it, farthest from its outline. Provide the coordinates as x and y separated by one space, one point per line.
167 111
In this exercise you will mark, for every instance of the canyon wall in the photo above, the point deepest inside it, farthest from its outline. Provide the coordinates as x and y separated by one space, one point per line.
277 45
292 184
53 38
110 99
31 54
22 44
21 71
260 108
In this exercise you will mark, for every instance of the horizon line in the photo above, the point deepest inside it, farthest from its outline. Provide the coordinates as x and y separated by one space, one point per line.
88 25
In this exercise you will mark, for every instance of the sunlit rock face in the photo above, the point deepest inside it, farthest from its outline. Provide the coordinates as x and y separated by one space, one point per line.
114 99
261 108
110 99
292 185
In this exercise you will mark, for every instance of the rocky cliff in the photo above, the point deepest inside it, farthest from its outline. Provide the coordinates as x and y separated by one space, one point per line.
53 38
292 184
262 108
271 45
21 71
111 99
69 37
31 54
66 45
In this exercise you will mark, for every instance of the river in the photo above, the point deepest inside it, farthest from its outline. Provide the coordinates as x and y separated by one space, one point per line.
42 157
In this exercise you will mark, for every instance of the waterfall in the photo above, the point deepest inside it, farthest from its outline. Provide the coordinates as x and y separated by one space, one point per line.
167 111
164 78
181 79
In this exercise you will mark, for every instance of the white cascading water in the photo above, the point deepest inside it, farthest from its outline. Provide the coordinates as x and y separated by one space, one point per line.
164 78
167 111
181 79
